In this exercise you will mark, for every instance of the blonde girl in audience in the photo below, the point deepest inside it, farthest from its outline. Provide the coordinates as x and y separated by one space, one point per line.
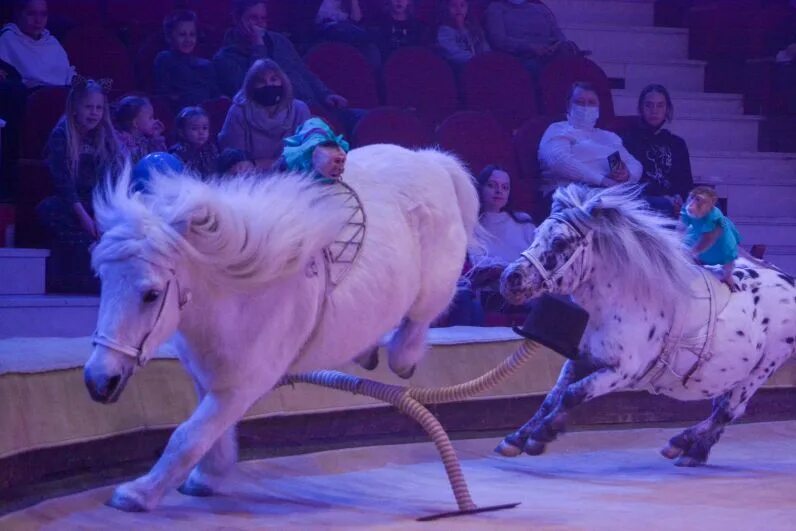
82 150
139 130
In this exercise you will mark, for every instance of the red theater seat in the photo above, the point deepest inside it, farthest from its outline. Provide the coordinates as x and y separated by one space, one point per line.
526 145
344 69
390 125
417 78
34 185
97 53
45 107
217 111
500 84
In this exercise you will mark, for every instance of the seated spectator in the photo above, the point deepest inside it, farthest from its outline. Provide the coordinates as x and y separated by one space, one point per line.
30 57
262 114
81 151
511 233
460 36
28 51
399 27
233 162
529 30
249 41
341 20
577 151
194 146
137 127
663 155
185 79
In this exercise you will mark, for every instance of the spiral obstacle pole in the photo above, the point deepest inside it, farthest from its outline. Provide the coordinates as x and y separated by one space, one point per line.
562 334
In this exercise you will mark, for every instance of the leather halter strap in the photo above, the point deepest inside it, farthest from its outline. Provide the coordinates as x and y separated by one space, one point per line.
137 352
549 278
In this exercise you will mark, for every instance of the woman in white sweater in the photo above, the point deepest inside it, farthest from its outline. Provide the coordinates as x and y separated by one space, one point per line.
510 233
577 151
30 57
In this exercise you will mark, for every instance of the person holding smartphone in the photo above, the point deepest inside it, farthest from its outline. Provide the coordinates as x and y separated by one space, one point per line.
577 151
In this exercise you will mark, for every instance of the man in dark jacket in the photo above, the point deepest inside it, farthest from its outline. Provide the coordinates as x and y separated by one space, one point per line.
249 40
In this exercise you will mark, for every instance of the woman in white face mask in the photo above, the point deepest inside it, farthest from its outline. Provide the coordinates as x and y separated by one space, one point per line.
577 151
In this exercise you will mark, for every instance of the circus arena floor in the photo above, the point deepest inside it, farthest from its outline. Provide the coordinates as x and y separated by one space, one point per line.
609 479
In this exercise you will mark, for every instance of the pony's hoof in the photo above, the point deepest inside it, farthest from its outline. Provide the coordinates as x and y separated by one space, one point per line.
407 373
507 449
671 452
192 488
126 502
534 447
559 423
369 360
689 461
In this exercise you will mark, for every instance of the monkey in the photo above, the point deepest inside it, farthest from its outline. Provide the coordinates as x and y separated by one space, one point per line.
712 237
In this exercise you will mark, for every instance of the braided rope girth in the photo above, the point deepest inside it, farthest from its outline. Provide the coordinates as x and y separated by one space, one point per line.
411 400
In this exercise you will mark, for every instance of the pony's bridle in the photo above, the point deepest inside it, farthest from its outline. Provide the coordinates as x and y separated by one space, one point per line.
549 279
138 352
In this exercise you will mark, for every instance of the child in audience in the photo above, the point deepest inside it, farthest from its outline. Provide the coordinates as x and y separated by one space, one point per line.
233 162
82 150
30 57
194 146
460 37
341 20
138 129
399 28
185 79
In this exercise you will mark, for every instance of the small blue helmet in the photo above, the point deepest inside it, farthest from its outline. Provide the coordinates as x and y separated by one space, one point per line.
157 162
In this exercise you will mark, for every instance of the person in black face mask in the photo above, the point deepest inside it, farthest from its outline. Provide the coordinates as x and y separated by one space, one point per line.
263 112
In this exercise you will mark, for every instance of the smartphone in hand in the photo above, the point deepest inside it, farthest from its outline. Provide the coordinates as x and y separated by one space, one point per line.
614 161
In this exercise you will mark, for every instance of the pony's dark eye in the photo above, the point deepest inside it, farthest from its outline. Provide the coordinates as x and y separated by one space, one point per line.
151 296
558 244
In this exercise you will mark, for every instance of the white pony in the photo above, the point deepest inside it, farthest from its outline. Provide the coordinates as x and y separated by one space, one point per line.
657 321
238 269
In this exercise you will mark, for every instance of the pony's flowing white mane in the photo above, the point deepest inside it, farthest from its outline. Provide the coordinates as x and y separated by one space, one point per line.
244 230
631 241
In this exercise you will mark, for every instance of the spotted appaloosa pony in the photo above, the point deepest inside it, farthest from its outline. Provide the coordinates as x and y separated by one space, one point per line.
237 269
631 273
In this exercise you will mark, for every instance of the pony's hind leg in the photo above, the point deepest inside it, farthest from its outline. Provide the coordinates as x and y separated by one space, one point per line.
407 347
692 446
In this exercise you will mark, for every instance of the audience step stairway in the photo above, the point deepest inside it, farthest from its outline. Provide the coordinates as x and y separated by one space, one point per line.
603 12
686 103
629 43
26 311
760 187
676 74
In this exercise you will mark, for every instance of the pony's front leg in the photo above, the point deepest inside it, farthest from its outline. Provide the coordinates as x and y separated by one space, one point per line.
515 443
217 413
207 476
602 382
